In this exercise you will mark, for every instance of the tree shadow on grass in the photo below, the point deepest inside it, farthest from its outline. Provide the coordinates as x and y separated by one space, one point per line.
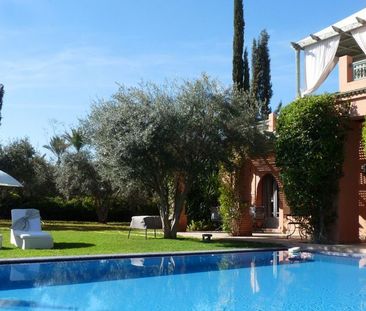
67 245
76 227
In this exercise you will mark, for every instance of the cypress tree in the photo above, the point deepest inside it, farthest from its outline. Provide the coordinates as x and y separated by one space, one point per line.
261 74
246 74
265 94
238 44
1 98
255 70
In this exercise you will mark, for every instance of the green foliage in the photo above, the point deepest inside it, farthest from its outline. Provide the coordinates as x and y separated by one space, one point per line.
163 137
77 175
230 208
238 44
246 72
203 197
20 160
261 87
309 151
75 139
364 136
254 83
57 146
201 225
2 92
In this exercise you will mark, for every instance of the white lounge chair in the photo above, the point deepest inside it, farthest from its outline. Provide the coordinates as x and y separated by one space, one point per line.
26 231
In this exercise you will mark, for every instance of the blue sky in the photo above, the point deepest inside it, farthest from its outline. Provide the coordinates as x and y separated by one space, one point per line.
57 57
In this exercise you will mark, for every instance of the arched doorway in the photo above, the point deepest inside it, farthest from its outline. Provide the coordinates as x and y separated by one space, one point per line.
270 201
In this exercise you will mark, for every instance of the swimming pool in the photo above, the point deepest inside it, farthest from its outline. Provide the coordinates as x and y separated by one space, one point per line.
228 281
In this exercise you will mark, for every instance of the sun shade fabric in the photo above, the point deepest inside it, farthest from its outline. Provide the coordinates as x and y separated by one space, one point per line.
8 181
360 36
320 59
23 223
146 222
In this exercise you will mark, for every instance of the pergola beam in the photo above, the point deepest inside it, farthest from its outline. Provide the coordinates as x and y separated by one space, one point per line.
314 37
336 29
296 46
341 32
361 20
349 49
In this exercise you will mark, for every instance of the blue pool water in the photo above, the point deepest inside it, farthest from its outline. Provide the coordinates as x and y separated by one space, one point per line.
231 281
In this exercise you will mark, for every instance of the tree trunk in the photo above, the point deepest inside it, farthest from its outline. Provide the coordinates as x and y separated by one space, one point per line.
170 226
102 209
164 215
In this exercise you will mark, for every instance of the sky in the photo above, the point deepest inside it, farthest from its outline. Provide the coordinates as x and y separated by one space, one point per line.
57 58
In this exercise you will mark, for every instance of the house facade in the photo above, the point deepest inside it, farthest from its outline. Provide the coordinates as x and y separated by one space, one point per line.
342 44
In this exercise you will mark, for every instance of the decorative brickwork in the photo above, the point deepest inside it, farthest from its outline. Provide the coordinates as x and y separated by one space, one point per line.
251 176
245 224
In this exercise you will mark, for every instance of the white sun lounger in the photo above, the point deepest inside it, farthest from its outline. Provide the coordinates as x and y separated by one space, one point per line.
26 231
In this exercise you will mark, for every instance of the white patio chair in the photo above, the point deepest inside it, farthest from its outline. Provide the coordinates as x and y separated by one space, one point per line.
26 231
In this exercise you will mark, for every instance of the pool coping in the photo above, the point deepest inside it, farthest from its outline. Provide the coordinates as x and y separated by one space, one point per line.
134 255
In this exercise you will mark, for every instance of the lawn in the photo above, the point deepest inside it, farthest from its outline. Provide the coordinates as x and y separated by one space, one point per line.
81 238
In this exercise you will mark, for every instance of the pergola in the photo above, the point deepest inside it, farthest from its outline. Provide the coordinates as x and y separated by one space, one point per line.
323 48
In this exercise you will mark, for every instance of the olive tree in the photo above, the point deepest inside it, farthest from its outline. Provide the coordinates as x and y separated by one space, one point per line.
165 136
77 175
21 160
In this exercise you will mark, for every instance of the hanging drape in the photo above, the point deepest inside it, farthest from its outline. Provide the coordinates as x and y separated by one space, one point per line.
360 36
320 60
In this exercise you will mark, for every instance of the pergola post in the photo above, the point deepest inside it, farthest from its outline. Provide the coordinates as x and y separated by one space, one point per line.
298 93
297 48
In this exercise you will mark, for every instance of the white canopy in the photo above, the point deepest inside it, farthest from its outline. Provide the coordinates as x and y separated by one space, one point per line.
323 48
8 181
349 23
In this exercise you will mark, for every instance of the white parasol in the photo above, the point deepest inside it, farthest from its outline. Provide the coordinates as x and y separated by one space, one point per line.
8 181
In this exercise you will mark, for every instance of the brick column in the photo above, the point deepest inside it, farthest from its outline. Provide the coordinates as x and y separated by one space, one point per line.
245 223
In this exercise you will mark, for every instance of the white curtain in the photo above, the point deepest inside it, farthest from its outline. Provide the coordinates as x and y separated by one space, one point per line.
360 36
320 60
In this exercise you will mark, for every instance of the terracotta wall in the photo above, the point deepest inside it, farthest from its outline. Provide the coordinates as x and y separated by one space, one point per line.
351 220
246 221
346 228
251 186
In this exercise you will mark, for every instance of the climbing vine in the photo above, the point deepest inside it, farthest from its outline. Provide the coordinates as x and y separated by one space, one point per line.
364 136
310 153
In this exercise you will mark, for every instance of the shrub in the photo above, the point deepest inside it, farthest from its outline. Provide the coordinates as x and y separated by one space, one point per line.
309 151
75 209
364 136
203 197
201 225
231 208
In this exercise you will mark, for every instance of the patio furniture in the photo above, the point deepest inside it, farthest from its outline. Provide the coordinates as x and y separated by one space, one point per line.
144 223
26 231
258 214
206 237
296 224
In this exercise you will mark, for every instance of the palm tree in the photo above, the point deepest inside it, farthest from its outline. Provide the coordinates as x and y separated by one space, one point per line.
75 139
57 146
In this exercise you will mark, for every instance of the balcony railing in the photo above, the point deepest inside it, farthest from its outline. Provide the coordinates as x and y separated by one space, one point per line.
359 70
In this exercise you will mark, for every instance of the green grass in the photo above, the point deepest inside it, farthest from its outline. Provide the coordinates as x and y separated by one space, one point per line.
79 238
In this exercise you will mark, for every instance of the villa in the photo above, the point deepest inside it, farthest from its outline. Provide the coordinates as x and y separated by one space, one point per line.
343 43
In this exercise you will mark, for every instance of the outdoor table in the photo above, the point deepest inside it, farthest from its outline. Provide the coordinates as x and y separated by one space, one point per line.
145 222
296 221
